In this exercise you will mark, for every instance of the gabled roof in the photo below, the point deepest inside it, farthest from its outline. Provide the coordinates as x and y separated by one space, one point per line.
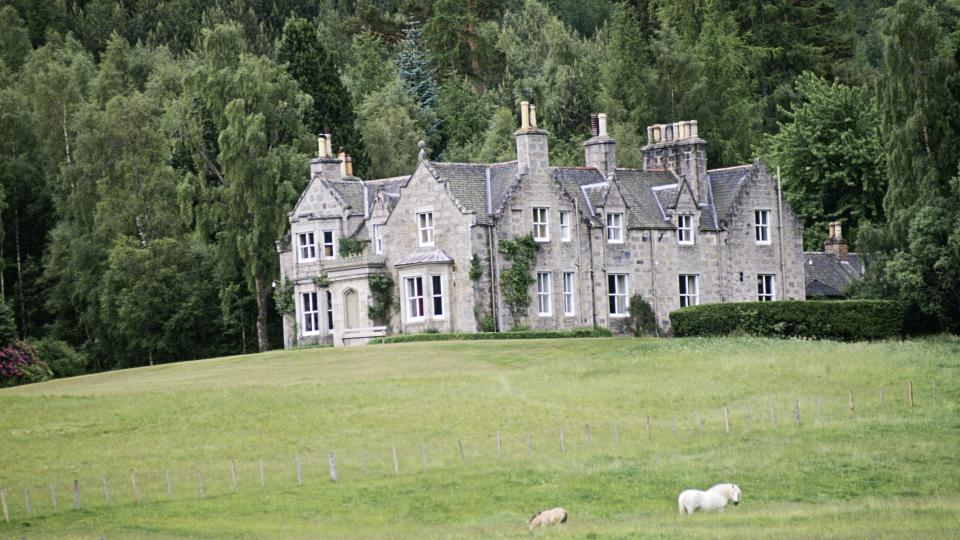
479 188
823 272
726 186
645 208
583 184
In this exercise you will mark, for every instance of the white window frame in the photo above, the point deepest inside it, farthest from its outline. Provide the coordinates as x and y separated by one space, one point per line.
766 287
761 224
685 229
329 310
564 225
414 300
688 298
544 291
618 298
425 229
378 239
307 244
309 314
569 308
615 228
436 294
541 226
332 244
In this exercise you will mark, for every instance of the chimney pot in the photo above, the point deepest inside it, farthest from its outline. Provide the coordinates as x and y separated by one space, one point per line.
594 124
602 120
349 163
321 146
533 116
524 115
649 134
693 128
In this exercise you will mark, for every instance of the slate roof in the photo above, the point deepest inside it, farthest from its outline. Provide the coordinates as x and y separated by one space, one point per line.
573 179
825 275
424 257
644 208
351 191
467 183
726 185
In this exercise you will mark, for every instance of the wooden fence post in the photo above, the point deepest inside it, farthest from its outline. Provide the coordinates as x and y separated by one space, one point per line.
203 491
396 461
299 470
850 396
3 502
726 419
76 494
563 447
463 458
166 476
106 490
586 428
332 461
796 411
910 393
263 480
53 495
26 500
233 474
133 482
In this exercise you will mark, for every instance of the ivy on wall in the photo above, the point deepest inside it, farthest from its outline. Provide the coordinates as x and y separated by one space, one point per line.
350 247
283 297
381 289
322 281
515 281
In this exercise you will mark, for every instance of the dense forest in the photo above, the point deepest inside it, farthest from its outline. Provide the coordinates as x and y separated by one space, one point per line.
151 150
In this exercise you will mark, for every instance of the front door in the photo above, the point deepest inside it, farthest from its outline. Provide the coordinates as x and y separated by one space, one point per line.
351 302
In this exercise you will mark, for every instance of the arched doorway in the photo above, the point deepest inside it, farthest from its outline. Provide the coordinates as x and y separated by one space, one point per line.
351 303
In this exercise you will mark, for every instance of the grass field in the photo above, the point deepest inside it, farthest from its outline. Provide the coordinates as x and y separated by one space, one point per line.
883 471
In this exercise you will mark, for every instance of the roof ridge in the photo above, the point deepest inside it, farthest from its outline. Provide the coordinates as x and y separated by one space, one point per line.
730 167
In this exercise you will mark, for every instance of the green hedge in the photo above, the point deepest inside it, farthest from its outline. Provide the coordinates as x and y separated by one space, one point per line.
526 334
847 320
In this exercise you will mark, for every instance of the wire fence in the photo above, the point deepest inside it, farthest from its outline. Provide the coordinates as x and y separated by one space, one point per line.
421 455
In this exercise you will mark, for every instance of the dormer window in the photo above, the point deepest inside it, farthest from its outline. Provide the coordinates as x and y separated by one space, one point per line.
761 220
615 228
308 247
425 228
541 224
685 229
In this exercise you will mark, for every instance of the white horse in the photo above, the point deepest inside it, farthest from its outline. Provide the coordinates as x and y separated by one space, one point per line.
714 498
548 517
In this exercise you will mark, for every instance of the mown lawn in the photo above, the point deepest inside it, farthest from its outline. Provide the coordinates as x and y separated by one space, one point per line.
882 471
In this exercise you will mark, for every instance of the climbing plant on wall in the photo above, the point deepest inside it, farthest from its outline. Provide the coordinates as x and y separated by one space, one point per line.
381 289
351 247
515 281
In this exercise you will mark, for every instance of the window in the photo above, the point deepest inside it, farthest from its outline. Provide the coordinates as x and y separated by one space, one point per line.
436 290
761 219
327 244
543 294
564 225
568 293
308 249
425 228
541 222
311 314
689 290
765 291
377 240
329 310
685 229
415 298
615 228
617 294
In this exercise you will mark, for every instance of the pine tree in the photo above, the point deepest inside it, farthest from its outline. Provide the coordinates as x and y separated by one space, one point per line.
314 70
416 71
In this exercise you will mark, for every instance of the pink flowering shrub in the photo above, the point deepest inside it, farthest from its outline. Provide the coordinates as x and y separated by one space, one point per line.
20 364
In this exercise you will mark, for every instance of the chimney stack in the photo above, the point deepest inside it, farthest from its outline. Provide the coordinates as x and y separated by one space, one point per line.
678 147
600 151
326 164
532 149
836 245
